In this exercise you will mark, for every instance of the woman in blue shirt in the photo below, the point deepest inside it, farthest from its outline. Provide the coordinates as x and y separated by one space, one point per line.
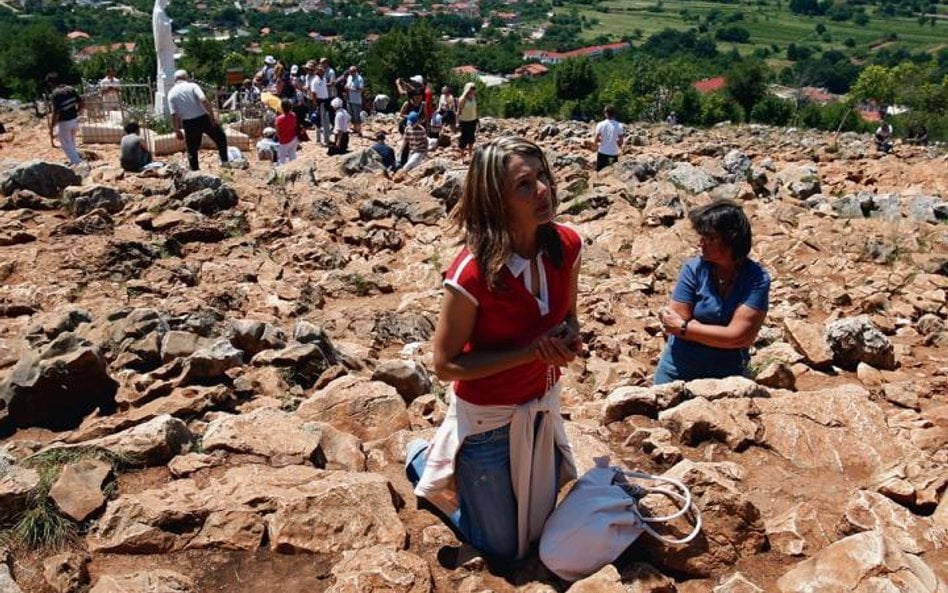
719 303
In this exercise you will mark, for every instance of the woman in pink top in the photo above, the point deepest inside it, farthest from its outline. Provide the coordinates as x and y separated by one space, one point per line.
507 325
286 133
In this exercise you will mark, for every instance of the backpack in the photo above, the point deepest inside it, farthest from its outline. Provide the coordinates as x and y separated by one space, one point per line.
599 519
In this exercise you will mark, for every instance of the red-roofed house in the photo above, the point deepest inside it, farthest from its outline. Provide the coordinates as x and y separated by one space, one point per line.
555 57
710 85
529 71
87 52
467 69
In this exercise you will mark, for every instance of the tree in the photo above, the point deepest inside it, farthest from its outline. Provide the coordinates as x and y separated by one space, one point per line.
574 79
733 33
747 84
28 55
405 52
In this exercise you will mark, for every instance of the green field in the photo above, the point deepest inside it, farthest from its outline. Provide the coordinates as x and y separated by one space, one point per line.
767 24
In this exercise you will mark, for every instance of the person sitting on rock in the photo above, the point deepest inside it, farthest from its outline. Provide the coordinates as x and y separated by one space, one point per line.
415 142
386 152
133 155
268 148
719 303
507 325
883 137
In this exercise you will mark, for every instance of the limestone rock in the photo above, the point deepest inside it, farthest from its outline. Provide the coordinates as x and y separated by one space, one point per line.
644 401
368 409
78 490
817 430
730 387
178 344
255 336
798 531
211 201
17 485
809 341
299 508
863 563
147 581
153 443
607 580
868 511
409 378
306 362
640 577
731 524
692 179
56 385
362 161
778 375
799 181
85 199
284 439
381 568
737 583
728 421
67 572
45 179
857 339
7 584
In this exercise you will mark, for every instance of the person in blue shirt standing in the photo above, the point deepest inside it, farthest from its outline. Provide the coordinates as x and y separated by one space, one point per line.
719 303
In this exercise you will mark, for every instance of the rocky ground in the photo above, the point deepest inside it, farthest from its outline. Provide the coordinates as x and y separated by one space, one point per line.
207 381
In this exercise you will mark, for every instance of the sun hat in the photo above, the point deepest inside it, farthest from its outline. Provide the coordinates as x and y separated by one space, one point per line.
294 69
412 117
269 132
269 60
310 64
419 79
336 103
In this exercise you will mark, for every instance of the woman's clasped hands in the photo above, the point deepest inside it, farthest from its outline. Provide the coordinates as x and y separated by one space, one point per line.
560 345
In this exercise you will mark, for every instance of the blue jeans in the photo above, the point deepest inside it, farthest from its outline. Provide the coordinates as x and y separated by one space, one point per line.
486 516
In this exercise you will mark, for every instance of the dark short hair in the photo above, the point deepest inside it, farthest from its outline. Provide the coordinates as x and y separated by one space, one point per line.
609 110
726 219
286 105
132 127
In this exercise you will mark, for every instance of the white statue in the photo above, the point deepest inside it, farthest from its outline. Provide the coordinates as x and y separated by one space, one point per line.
164 50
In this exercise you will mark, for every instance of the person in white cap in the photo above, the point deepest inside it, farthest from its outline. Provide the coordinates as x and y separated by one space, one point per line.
193 116
266 73
415 84
341 145
268 147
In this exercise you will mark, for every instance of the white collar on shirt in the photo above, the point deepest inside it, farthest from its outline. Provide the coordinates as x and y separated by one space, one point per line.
520 267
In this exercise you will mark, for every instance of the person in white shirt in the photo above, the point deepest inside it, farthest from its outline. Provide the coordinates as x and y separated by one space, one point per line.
193 116
341 145
111 89
268 147
609 138
320 95
354 87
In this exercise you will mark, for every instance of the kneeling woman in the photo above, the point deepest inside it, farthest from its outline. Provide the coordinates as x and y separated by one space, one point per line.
719 303
507 325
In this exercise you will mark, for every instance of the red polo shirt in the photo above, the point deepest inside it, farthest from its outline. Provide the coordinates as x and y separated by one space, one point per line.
511 317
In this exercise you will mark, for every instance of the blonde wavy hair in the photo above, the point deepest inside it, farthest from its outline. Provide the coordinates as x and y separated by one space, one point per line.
480 214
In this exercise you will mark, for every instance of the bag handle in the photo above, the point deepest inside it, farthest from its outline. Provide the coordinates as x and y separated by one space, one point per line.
687 504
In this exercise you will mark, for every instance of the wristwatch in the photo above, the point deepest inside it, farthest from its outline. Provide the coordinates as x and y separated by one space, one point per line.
684 327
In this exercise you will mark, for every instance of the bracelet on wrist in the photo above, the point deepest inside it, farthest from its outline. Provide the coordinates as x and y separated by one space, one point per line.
684 327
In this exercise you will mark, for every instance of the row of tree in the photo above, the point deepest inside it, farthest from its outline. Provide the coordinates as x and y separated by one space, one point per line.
644 83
